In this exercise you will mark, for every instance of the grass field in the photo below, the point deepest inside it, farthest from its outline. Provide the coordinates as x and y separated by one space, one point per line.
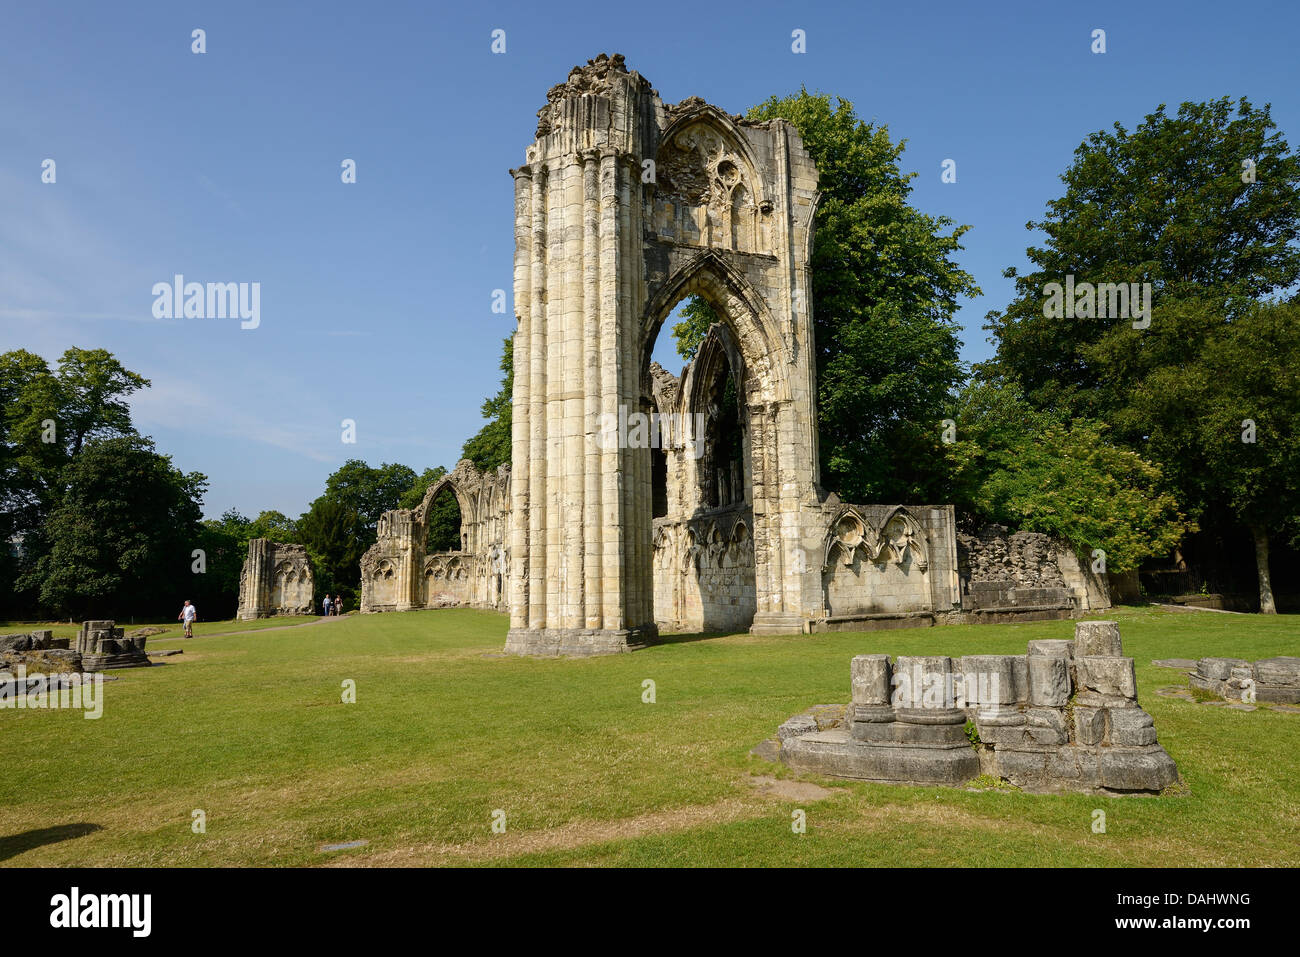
251 730
172 629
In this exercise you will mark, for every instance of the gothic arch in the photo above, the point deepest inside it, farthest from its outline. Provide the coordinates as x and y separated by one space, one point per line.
603 253
718 349
467 504
904 537
848 532
749 320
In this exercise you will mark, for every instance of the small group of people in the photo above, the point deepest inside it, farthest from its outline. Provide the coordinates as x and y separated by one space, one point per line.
332 606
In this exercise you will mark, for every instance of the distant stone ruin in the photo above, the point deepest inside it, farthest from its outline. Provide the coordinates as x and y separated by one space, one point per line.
276 580
399 572
102 645
38 651
1064 717
1274 680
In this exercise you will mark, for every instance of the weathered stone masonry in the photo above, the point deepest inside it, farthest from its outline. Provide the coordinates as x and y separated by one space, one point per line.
624 207
276 579
1064 717
397 574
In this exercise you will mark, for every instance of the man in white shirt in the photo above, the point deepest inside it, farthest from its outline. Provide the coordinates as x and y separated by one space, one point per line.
188 615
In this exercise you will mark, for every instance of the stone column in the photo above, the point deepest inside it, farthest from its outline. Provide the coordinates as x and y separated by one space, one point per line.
586 508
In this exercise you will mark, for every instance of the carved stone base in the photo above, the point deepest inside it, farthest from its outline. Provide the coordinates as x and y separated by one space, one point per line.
105 662
578 642
837 754
777 623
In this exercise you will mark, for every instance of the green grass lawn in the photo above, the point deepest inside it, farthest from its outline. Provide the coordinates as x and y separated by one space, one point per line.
251 730
63 629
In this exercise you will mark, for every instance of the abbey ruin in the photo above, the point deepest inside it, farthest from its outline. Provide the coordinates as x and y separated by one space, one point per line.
276 579
599 535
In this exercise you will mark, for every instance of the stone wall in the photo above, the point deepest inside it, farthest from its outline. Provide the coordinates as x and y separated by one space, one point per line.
276 580
398 574
704 571
1009 576
1235 679
884 566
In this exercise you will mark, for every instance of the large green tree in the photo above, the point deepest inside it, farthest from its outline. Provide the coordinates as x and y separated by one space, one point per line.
341 524
336 537
1228 418
121 539
369 491
885 288
46 417
1032 469
1169 203
1205 206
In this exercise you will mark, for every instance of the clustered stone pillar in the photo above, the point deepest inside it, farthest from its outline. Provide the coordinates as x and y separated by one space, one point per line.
581 551
623 207
255 588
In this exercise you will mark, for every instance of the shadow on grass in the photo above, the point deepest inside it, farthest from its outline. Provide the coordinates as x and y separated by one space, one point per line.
681 638
16 844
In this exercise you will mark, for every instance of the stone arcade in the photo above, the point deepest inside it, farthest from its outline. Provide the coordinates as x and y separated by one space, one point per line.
399 573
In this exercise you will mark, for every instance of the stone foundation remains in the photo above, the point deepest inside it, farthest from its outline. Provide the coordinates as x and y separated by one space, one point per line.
1063 717
1023 576
276 580
102 646
39 652
1275 680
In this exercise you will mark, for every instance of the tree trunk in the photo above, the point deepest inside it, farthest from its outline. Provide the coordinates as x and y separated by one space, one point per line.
1266 606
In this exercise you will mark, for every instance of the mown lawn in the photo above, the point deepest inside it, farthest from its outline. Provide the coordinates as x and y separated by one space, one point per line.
63 629
251 730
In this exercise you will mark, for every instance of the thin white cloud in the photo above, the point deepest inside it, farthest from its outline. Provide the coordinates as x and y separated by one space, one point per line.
184 405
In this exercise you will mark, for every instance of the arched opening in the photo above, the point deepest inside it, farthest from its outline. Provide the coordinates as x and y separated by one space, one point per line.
701 555
721 474
443 524
659 482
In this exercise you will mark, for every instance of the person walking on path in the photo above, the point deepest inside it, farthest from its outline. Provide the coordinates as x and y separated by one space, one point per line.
325 603
188 616
338 604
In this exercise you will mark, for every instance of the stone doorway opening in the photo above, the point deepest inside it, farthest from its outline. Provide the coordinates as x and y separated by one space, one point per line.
702 547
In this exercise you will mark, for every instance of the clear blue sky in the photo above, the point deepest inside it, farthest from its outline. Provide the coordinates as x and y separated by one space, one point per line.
376 296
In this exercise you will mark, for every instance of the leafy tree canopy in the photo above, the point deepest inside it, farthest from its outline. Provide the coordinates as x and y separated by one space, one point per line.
1168 203
122 537
1034 470
885 290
